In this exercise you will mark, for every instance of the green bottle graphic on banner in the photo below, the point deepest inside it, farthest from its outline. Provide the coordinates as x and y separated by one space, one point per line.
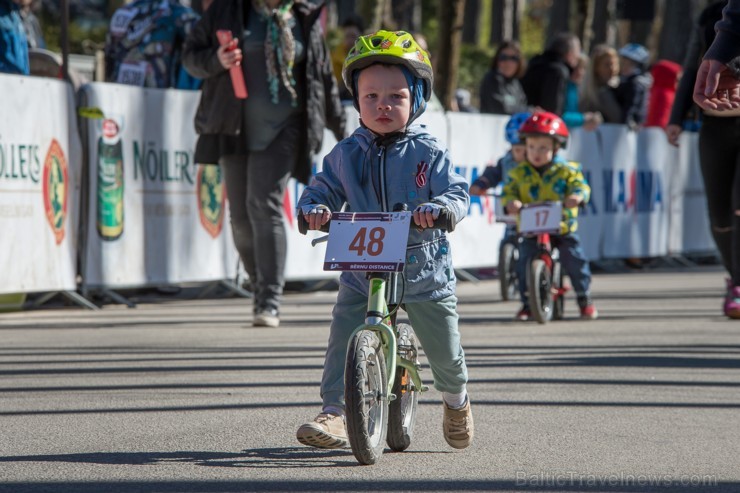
110 181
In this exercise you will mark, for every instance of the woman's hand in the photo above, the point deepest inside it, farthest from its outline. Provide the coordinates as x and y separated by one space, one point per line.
591 120
230 54
716 87
673 132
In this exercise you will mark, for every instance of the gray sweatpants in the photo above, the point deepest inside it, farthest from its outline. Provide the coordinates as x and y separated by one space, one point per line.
255 185
435 325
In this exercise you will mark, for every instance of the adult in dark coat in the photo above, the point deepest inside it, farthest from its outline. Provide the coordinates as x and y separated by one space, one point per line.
263 139
547 76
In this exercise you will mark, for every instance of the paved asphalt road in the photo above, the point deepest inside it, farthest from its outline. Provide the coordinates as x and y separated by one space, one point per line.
185 396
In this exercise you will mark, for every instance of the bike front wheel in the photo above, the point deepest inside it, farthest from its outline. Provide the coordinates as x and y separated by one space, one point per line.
558 310
365 394
402 410
507 271
539 285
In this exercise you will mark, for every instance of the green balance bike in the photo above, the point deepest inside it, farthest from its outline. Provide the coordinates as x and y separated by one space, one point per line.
381 376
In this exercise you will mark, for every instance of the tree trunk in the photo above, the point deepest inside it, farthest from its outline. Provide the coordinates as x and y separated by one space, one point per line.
451 14
560 13
585 20
471 28
517 10
498 16
603 24
376 14
505 20
407 14
678 20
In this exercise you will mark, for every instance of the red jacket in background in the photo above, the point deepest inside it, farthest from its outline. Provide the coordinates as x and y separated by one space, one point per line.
665 81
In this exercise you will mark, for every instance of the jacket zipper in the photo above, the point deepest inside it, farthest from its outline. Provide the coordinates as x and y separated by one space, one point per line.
383 191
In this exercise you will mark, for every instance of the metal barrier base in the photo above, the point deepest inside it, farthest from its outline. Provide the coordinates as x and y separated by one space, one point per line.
231 286
70 295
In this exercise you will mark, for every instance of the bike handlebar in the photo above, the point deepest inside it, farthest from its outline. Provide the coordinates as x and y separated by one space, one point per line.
445 222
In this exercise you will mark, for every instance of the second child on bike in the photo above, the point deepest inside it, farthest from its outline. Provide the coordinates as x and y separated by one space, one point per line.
384 162
546 176
493 175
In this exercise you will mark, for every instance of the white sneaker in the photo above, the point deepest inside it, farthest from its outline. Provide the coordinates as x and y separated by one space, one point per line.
325 431
266 317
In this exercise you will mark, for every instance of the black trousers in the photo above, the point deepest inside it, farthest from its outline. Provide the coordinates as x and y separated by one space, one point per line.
719 153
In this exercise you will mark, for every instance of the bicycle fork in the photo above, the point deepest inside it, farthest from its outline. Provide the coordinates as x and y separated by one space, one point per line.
545 253
377 312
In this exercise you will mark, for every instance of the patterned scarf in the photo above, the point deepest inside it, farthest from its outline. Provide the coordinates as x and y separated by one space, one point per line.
279 48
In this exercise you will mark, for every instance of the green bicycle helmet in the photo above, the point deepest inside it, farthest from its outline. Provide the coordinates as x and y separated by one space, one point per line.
392 47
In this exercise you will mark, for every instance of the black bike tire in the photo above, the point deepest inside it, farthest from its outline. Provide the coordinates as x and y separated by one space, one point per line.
365 374
539 285
507 271
402 410
558 308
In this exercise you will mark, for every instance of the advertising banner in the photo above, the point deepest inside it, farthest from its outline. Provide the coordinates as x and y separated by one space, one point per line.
154 216
689 220
586 149
40 162
635 193
476 141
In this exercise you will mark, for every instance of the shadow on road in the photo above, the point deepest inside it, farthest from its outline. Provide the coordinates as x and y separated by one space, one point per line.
426 485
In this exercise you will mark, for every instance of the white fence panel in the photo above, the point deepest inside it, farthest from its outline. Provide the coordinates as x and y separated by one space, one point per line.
40 162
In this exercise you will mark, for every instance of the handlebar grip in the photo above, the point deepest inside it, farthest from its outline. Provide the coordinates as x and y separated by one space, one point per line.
445 221
303 225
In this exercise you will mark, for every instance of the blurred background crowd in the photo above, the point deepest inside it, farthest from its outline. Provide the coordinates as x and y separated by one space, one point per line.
591 61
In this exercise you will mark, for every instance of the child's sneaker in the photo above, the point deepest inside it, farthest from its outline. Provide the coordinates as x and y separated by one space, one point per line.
588 310
326 431
523 314
732 301
458 425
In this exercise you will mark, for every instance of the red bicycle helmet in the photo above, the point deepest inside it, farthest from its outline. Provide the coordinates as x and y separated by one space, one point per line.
544 123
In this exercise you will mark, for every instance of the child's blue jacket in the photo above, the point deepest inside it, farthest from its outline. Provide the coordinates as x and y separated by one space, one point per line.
368 176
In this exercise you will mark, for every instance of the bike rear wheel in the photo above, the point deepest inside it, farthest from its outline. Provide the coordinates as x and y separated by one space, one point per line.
539 285
402 410
365 391
507 271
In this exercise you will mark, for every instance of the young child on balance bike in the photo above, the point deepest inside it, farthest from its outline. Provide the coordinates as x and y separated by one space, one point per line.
545 176
384 162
